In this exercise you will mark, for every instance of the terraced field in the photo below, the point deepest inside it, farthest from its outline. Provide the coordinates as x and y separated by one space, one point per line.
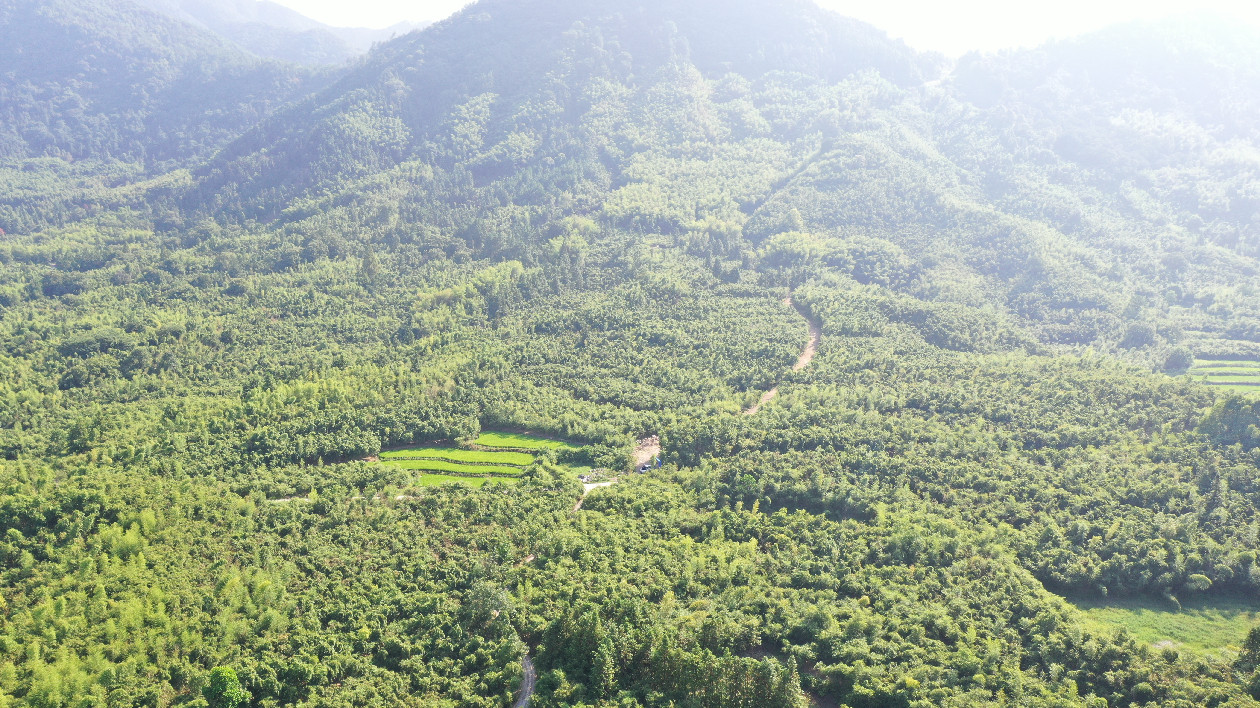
435 480
455 467
502 458
1231 374
498 457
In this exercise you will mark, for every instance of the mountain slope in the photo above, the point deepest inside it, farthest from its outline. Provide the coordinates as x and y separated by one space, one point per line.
539 62
112 80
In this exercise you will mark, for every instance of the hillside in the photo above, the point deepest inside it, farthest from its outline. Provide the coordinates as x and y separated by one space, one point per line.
111 80
296 385
273 31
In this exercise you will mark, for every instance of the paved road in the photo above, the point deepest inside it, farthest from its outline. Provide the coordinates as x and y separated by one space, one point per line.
527 683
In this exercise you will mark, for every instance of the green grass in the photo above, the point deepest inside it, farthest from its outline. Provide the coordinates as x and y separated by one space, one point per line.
1212 627
455 454
434 480
455 467
523 441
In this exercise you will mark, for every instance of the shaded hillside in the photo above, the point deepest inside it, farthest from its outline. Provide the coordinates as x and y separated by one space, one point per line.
818 127
534 66
111 80
267 29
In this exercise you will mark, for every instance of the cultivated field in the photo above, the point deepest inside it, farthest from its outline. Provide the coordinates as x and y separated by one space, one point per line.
444 464
494 457
522 441
455 467
435 480
1231 374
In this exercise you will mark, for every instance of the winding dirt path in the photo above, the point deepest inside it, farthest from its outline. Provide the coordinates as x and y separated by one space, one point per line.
807 355
645 451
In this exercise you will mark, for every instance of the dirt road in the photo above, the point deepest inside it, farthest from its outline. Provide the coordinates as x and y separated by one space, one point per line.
527 683
586 489
807 355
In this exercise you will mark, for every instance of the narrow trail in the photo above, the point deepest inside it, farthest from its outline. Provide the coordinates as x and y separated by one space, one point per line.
807 355
527 682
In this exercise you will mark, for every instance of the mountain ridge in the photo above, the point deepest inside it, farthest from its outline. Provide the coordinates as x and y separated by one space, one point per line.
271 30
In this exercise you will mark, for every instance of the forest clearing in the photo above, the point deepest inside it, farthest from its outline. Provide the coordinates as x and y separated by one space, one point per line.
1213 627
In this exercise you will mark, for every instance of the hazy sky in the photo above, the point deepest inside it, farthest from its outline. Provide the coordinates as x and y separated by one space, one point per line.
950 26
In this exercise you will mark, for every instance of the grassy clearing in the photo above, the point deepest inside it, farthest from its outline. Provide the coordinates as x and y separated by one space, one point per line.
523 441
453 454
575 470
1210 627
454 467
435 480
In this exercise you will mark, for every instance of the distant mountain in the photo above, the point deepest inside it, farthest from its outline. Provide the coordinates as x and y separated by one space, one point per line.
270 30
528 51
1006 171
112 80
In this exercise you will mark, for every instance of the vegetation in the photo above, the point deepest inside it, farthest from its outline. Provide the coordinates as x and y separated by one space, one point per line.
433 480
1214 627
454 467
522 441
221 297
458 455
1240 375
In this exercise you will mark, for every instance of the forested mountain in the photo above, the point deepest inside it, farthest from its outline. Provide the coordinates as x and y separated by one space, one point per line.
270 30
112 80
227 285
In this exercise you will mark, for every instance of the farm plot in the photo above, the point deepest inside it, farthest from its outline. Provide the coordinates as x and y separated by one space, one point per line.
1230 374
499 457
455 467
435 480
1210 627
493 457
522 441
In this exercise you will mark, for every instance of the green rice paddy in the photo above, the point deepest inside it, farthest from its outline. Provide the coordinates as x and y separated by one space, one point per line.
445 464
1210 627
453 454
522 441
454 467
434 480
1230 374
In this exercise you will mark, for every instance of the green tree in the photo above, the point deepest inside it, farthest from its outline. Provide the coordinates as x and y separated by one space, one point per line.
224 689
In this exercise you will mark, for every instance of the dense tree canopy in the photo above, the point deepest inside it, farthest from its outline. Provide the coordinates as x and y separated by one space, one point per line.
222 296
